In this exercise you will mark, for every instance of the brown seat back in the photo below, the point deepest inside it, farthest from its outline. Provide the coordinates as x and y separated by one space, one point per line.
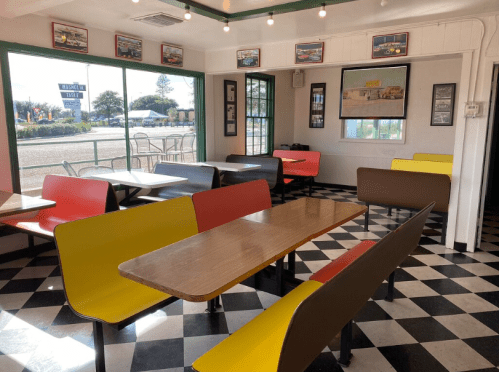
324 313
396 188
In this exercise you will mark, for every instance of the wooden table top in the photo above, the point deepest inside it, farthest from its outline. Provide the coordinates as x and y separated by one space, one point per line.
140 179
11 204
223 165
205 265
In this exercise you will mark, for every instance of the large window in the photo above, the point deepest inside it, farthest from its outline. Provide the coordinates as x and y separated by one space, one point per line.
259 114
372 129
74 118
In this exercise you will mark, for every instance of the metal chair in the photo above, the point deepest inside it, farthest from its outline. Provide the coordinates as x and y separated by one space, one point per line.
119 164
173 146
188 145
95 169
71 171
145 147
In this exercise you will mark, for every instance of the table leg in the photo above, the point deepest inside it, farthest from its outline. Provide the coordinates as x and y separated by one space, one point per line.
292 262
129 195
213 304
279 277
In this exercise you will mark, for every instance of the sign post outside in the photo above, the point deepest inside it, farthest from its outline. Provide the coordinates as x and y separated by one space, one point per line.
72 96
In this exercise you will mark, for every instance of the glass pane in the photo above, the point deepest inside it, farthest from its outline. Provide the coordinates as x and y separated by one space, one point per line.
161 117
255 89
263 107
68 112
373 129
248 107
248 88
263 89
254 107
249 136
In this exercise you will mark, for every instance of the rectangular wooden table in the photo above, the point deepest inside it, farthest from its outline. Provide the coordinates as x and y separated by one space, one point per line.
224 166
206 265
11 204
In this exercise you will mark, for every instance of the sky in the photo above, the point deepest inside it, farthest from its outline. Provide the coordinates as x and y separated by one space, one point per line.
37 78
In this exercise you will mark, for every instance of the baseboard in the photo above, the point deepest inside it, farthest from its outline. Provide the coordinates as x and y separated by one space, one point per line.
335 186
460 247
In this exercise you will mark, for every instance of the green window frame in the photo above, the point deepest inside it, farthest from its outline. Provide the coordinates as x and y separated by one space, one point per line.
6 47
259 113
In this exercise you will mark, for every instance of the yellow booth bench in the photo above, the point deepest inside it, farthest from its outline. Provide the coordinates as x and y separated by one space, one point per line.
434 157
436 167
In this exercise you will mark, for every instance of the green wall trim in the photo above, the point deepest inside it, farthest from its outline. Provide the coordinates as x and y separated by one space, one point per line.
6 47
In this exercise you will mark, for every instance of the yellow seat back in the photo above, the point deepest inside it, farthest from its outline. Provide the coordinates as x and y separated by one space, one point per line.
422 166
91 249
434 157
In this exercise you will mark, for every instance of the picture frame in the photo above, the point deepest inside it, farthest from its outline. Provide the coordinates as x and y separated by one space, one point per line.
317 105
248 58
375 92
172 55
230 108
309 53
128 47
72 38
390 45
442 108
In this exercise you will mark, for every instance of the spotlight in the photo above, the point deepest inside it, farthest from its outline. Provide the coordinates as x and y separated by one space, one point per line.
187 14
270 21
135 1
226 27
384 2
322 12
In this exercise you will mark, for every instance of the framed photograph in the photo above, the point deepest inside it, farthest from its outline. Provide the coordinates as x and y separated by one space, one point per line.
230 108
309 53
393 45
249 58
317 105
74 39
442 110
378 92
172 55
128 47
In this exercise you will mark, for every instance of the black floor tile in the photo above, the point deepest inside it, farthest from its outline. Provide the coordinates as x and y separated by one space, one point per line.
445 286
300 268
8 274
382 291
420 250
354 228
324 362
411 358
312 255
342 236
175 308
494 265
359 340
161 354
126 335
492 297
452 271
426 329
44 261
241 301
458 258
403 276
494 279
56 272
21 285
411 262
45 298
325 245
428 241
490 319
205 324
487 347
437 305
67 316
371 311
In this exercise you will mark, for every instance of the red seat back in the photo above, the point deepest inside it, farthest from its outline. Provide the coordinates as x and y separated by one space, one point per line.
75 198
309 167
219 206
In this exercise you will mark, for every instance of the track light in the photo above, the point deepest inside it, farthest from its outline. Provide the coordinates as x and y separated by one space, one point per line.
135 1
384 2
322 12
187 14
226 27
270 21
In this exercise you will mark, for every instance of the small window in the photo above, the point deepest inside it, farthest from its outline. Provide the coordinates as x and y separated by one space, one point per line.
372 129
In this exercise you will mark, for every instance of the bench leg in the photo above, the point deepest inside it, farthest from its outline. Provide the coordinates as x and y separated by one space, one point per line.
366 219
310 182
100 364
346 345
391 284
31 241
444 228
279 276
389 212
283 195
292 262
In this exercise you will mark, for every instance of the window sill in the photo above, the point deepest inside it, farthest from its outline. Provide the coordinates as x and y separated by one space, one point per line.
391 142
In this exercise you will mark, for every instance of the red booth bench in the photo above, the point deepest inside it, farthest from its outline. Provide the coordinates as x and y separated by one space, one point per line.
305 170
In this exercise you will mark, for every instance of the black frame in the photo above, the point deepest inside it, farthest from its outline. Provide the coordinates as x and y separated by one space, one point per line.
228 122
317 112
406 99
451 109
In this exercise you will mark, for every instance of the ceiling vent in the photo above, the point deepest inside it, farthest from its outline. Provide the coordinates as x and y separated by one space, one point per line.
159 19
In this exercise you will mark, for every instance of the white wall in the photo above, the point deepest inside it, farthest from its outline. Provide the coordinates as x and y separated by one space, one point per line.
341 158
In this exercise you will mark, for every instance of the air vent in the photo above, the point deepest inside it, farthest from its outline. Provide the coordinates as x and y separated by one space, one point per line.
159 19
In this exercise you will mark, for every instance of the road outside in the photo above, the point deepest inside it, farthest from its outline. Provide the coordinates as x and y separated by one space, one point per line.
38 154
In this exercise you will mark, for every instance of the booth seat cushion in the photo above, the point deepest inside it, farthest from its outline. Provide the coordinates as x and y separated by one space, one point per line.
308 168
257 345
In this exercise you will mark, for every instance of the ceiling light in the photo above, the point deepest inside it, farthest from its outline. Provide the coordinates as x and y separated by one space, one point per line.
135 1
187 14
322 12
270 21
384 2
226 27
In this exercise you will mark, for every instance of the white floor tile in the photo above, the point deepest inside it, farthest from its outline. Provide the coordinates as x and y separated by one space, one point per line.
471 303
465 326
402 308
386 333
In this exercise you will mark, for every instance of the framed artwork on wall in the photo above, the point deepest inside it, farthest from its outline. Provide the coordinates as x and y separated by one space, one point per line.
172 55
248 58
309 53
393 45
442 109
317 105
230 108
74 39
378 92
128 47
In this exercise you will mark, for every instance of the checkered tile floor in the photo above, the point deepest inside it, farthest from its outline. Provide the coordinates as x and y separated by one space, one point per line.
445 316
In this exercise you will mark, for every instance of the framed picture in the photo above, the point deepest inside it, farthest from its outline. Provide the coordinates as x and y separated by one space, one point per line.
74 39
393 45
172 55
374 92
317 105
230 108
249 58
309 53
442 110
128 47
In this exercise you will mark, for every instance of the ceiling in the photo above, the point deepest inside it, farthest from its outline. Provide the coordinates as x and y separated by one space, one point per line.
206 34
